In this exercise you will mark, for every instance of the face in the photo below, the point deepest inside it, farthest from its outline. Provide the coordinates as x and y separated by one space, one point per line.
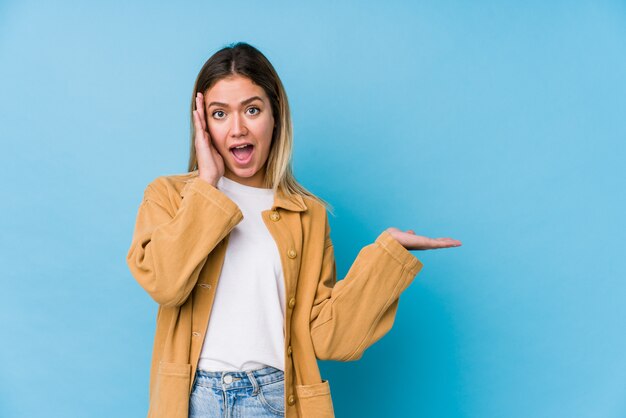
241 124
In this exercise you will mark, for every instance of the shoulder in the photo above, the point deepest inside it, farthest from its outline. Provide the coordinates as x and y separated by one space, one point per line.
317 214
314 207
317 224
168 186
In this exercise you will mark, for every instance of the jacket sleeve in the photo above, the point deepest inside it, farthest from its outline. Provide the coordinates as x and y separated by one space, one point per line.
168 250
350 315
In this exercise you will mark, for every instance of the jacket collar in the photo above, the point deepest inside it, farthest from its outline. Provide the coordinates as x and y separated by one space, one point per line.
293 203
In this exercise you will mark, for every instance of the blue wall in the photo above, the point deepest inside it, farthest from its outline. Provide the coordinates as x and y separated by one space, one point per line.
503 126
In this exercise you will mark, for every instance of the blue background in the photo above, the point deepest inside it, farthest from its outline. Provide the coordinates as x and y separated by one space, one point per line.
499 124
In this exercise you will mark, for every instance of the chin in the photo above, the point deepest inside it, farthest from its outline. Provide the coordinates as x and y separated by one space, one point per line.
244 172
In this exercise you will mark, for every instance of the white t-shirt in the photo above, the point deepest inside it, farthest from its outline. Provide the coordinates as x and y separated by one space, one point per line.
245 329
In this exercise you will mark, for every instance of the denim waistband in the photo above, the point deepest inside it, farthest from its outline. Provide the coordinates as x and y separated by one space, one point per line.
238 379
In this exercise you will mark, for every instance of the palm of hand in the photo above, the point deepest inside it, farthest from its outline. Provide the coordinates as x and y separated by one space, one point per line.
410 241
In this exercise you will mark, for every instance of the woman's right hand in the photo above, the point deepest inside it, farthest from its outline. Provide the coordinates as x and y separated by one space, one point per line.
210 162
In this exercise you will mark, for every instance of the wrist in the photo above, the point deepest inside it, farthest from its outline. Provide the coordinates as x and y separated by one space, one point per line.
211 180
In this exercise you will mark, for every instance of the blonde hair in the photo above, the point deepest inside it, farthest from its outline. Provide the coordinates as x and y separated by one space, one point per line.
243 59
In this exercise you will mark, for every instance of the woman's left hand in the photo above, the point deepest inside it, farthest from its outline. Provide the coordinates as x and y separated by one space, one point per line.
410 241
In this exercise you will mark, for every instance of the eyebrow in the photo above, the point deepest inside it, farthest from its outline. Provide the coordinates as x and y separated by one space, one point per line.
248 100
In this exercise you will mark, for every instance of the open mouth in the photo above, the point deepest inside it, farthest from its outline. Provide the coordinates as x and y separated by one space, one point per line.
242 153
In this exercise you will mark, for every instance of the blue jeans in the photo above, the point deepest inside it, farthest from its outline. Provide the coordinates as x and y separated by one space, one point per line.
253 393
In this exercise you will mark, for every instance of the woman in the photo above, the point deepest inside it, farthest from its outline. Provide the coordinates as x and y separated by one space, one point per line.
239 258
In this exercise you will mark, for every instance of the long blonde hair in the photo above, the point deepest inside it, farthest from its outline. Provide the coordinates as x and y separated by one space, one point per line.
243 59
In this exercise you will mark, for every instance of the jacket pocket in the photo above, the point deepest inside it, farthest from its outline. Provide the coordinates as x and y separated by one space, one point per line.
171 391
314 401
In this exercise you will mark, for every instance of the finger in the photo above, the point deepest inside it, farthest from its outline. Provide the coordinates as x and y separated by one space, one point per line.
196 122
216 154
450 240
200 107
446 242
200 133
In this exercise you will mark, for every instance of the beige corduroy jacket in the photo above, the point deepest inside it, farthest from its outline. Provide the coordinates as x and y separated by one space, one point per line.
177 250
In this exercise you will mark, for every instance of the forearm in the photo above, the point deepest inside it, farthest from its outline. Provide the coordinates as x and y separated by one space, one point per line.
167 252
357 311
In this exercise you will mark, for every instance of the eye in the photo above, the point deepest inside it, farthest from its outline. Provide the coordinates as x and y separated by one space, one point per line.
256 109
218 114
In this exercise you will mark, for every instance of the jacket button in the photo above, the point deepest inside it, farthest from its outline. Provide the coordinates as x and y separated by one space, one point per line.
274 216
291 400
195 334
205 285
291 253
292 302
289 350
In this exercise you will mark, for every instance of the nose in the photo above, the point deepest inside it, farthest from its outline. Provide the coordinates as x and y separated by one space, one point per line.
238 127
